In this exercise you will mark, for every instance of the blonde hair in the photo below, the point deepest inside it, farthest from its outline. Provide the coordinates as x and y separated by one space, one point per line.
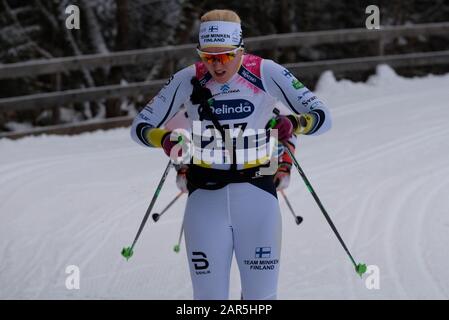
220 15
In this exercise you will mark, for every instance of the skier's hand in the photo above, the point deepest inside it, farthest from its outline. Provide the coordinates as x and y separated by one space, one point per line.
170 141
282 177
199 94
181 178
284 128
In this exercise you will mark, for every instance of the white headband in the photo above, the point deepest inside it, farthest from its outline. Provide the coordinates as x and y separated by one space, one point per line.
220 34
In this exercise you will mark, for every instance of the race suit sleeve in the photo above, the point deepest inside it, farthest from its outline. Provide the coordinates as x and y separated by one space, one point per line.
280 83
146 128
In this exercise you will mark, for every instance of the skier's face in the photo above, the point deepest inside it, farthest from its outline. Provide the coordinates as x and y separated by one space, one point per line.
222 66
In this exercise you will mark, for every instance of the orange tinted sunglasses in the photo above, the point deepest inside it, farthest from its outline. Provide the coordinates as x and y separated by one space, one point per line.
222 57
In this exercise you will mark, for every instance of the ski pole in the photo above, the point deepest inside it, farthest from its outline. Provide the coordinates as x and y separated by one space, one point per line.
177 246
298 219
359 268
156 216
127 252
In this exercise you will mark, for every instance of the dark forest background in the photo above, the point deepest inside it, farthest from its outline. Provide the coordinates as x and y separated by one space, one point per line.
35 29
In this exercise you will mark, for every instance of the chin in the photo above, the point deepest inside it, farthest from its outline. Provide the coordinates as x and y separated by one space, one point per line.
221 80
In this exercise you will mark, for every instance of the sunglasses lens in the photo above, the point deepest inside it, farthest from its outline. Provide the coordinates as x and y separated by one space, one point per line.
227 57
207 57
222 58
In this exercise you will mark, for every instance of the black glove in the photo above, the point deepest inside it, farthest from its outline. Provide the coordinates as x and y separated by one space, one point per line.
199 94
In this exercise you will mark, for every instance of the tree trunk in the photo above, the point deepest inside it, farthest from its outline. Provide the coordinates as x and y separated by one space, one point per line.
121 43
122 17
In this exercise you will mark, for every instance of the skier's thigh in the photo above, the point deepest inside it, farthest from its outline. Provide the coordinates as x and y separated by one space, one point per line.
209 243
257 240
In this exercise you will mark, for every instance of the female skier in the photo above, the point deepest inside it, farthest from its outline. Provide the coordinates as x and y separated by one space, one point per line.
232 205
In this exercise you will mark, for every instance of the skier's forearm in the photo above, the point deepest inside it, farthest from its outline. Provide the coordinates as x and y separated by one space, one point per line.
162 108
145 134
305 123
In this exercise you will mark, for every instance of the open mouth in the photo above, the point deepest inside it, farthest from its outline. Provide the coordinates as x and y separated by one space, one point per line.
220 73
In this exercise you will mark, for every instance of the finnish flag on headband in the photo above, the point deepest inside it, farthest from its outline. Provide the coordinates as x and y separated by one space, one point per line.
220 34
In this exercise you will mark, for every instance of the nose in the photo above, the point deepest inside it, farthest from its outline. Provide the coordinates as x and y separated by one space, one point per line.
216 63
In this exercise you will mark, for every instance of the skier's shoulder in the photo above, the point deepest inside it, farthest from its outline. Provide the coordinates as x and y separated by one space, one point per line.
261 68
185 74
250 70
201 72
252 63
270 67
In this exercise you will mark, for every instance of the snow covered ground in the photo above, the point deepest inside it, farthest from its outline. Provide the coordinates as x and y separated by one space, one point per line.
382 173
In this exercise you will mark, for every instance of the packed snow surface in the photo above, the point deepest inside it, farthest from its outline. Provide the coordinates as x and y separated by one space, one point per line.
382 172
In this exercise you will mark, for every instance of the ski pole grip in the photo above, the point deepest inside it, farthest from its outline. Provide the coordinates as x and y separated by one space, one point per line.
272 123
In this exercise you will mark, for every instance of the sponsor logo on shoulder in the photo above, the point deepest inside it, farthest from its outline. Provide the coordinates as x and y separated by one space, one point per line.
248 76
